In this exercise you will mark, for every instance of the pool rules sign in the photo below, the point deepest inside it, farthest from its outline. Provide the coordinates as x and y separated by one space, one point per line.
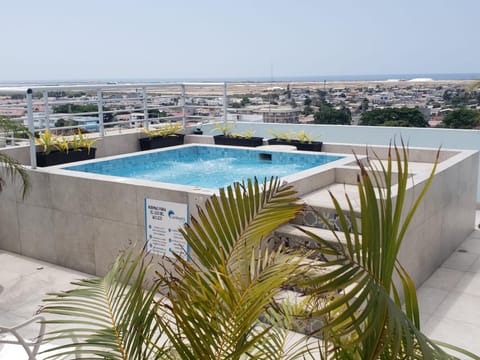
163 219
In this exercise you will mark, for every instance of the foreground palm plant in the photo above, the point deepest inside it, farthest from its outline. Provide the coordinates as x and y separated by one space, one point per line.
372 324
108 318
9 167
216 300
209 306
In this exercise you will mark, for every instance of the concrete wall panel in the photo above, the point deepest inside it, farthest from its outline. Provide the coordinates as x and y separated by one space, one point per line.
74 241
36 229
9 228
71 194
111 237
114 201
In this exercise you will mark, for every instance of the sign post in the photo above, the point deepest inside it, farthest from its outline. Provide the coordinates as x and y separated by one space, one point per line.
163 219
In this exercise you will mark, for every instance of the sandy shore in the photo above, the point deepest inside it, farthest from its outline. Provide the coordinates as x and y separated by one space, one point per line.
249 88
263 87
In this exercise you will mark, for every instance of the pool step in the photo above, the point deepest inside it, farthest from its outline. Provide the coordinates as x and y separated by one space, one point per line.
312 268
295 340
312 216
319 203
293 302
298 304
291 236
322 198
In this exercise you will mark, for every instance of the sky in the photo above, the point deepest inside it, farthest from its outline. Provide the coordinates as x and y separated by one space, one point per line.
224 39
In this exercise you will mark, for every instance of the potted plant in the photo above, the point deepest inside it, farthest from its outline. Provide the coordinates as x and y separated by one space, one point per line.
236 139
167 135
301 140
60 150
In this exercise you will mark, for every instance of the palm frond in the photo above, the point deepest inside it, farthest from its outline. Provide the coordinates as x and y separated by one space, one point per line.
217 299
279 343
372 324
238 220
9 167
15 127
12 169
210 316
111 316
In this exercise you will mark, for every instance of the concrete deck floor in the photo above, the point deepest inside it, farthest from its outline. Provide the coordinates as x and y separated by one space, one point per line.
449 299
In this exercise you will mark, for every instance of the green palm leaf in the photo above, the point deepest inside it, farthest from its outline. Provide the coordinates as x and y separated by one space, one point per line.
212 303
111 317
216 300
372 324
13 126
11 168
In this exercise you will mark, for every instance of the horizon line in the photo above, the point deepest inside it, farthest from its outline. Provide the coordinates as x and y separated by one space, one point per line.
280 78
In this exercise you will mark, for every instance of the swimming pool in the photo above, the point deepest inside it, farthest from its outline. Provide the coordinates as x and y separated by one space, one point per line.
206 166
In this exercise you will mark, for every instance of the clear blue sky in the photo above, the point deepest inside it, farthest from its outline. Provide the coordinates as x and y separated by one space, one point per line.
106 39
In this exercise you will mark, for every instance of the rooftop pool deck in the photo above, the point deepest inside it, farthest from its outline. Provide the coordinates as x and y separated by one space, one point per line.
81 220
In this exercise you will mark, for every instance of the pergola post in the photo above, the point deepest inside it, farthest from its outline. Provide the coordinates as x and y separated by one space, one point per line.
184 120
101 126
225 103
31 128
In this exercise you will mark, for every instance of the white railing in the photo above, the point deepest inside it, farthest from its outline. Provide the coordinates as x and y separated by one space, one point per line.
144 104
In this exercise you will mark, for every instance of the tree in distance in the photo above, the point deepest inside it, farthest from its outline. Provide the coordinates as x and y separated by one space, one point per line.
245 101
79 108
62 122
406 117
462 119
327 114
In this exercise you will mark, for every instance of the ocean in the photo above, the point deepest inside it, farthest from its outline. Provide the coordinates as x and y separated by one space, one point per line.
364 77
313 78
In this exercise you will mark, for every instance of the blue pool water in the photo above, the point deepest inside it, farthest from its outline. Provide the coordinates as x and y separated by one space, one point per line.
206 166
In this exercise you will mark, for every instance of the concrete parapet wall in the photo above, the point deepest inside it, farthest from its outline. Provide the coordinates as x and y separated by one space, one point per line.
444 218
79 222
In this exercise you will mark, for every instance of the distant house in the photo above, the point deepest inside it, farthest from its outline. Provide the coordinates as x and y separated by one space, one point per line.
215 102
309 119
275 88
244 117
12 112
381 98
256 100
86 122
435 121
280 115
164 100
136 118
201 112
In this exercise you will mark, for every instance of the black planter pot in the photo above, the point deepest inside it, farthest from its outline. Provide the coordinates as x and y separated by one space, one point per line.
57 157
313 146
238 141
156 142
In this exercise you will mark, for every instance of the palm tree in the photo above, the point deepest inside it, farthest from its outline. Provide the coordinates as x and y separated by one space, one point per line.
211 304
9 167
372 324
210 307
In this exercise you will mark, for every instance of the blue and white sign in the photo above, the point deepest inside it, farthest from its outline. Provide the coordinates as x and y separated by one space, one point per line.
163 219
